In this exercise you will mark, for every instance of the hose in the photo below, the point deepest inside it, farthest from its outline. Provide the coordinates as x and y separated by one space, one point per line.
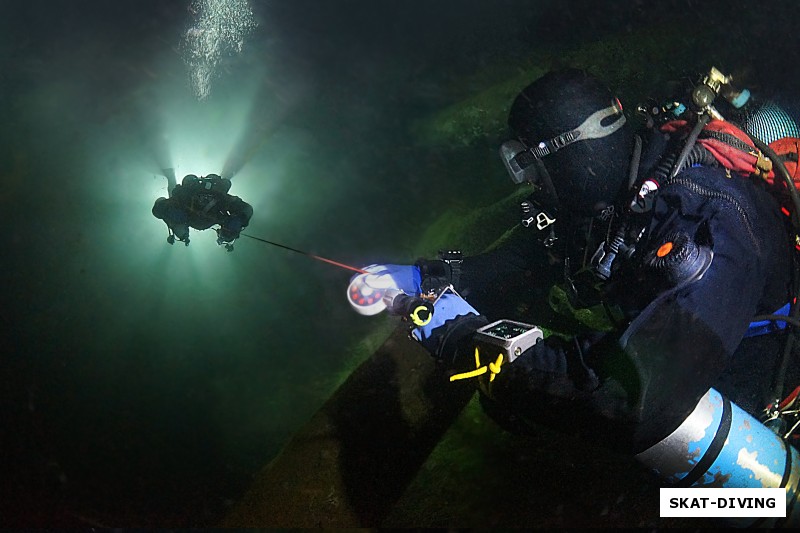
778 318
697 155
633 173
690 144
794 313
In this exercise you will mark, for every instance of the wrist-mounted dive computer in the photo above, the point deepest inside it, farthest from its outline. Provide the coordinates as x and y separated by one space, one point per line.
512 338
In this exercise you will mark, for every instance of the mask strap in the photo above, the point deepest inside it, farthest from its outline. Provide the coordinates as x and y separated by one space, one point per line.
591 128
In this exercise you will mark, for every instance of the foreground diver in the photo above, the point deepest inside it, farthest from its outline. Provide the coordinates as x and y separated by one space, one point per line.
683 245
200 203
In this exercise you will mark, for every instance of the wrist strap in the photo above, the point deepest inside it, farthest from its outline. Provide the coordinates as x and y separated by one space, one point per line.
453 259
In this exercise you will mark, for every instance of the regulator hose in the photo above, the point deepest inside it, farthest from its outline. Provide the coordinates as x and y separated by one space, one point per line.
690 144
633 172
794 313
780 168
697 155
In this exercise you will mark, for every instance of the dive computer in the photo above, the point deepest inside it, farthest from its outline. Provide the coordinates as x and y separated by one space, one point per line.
511 337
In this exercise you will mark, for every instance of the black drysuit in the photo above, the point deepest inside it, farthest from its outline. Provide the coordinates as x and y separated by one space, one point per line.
634 386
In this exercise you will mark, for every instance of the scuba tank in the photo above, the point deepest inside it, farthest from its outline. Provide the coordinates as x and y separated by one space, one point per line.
720 445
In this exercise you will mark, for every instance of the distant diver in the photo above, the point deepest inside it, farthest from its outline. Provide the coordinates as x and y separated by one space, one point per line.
200 203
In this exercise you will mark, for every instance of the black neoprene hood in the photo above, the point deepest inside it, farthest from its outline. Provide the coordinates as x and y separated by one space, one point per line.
589 174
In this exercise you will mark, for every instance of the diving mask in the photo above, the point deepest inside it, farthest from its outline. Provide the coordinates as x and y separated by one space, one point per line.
524 163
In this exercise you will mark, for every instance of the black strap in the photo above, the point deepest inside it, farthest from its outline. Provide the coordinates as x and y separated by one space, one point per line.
714 449
453 259
455 272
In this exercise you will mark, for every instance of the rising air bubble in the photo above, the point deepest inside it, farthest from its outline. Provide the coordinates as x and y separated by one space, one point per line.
219 29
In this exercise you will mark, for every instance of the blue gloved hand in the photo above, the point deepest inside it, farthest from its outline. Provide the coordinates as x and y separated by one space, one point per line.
406 278
365 292
448 307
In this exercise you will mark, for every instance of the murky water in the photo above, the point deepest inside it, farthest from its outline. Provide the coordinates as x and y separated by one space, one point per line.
145 383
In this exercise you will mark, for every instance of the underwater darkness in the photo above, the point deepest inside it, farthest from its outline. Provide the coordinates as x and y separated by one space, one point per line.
146 384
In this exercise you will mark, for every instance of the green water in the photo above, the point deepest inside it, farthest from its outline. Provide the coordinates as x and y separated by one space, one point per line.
144 384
